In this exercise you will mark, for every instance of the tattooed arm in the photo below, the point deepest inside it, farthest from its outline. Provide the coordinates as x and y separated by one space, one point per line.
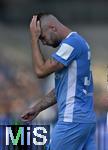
40 105
42 68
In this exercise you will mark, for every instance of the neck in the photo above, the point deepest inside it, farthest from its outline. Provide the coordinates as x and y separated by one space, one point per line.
64 32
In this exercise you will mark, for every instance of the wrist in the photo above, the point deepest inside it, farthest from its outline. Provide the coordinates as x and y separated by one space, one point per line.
34 37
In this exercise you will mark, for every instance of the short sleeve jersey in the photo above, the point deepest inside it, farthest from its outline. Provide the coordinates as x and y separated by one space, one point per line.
74 83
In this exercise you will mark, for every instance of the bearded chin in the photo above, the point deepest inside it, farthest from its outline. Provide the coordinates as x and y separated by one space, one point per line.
56 44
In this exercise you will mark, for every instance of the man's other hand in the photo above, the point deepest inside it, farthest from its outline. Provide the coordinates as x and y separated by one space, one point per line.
35 28
29 115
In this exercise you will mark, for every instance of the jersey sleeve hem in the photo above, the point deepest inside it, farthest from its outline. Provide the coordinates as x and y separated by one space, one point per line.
59 59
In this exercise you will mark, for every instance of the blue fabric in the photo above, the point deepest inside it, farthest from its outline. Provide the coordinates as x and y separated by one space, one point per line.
74 83
73 136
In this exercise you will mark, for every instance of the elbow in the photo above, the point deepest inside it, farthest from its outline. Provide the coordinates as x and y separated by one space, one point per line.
40 74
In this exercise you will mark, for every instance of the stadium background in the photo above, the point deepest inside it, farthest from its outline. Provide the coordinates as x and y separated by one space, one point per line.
18 83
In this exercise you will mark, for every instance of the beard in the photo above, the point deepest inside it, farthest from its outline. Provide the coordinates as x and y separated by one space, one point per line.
55 41
55 44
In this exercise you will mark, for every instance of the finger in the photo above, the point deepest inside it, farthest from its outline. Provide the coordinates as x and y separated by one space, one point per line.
27 119
34 18
26 115
38 24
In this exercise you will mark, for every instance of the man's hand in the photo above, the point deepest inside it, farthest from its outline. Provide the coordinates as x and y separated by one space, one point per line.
42 68
35 28
40 105
29 115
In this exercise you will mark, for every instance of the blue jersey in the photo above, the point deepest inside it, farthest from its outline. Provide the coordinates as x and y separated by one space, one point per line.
74 83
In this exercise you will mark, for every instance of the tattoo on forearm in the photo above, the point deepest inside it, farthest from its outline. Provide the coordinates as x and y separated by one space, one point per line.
48 101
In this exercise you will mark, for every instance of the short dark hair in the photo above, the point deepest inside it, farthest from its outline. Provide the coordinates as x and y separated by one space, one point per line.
42 14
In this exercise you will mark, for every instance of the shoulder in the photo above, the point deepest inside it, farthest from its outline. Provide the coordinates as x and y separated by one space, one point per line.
73 39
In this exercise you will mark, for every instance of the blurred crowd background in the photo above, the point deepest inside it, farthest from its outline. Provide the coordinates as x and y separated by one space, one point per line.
19 86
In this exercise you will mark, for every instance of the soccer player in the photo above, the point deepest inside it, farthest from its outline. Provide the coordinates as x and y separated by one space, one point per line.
75 128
